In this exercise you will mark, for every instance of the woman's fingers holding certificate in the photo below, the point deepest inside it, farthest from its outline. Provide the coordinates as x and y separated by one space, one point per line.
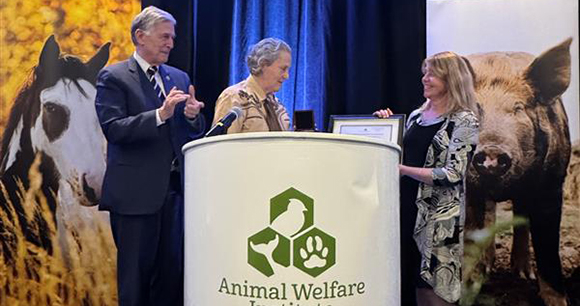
383 113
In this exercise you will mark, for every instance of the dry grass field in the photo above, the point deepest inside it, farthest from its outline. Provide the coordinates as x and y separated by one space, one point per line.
82 273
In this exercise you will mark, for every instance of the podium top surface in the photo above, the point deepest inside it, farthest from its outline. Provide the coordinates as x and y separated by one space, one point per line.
289 136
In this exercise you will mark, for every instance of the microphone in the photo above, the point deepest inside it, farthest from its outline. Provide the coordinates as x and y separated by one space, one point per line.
221 127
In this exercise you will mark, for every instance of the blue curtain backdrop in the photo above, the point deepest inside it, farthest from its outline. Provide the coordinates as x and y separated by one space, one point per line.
349 56
300 24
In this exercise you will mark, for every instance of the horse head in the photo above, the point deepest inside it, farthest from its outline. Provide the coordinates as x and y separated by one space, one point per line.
54 116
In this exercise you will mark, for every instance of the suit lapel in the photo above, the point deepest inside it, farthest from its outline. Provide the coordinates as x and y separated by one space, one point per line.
168 82
150 100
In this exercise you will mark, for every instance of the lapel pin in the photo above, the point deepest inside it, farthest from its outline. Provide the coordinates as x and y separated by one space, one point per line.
167 77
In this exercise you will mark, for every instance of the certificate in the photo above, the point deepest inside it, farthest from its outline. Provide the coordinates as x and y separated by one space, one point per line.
389 129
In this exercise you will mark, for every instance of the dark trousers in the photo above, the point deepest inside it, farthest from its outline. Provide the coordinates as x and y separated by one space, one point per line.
150 255
410 256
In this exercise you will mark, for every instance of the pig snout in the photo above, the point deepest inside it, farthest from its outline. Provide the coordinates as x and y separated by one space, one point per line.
492 161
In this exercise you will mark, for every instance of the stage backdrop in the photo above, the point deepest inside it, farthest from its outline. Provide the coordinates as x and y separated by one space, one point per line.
55 249
529 28
349 57
301 24
468 27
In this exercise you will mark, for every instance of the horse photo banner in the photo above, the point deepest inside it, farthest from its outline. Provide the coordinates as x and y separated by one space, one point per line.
56 247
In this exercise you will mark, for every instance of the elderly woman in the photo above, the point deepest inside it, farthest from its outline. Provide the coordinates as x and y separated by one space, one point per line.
439 141
269 63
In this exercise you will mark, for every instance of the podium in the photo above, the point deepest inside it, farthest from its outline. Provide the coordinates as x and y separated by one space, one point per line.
291 219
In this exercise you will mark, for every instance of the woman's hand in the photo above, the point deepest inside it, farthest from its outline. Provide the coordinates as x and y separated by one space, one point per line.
383 113
424 175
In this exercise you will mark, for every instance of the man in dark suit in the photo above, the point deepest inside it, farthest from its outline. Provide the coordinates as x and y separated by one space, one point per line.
147 111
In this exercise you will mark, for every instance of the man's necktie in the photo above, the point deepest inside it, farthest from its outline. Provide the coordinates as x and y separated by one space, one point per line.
151 74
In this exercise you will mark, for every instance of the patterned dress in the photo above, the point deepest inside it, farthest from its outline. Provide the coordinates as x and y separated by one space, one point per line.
441 206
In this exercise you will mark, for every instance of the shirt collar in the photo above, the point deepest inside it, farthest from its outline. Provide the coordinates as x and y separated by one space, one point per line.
252 84
142 63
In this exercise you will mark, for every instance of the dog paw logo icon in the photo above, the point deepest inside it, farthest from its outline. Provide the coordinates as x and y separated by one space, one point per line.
314 252
291 239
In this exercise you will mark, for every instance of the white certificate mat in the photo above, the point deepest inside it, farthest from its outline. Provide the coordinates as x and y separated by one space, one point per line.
389 129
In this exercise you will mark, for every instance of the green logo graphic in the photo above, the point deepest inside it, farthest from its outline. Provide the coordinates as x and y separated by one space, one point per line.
291 238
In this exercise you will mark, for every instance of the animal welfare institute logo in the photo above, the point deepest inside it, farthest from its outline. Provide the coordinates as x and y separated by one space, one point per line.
291 238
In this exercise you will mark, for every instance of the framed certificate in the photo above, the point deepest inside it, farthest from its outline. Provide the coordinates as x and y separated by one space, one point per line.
389 129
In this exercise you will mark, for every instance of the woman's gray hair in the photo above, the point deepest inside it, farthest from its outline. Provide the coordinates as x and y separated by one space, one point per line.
149 17
264 53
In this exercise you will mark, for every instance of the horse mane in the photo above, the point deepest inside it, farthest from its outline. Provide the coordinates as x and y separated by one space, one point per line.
26 104
70 67
21 104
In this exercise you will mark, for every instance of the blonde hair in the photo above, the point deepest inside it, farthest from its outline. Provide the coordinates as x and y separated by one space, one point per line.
459 78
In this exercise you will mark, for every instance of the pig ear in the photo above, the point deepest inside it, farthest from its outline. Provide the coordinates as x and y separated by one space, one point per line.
549 73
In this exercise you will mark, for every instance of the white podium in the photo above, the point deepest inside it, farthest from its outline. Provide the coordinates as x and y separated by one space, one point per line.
291 219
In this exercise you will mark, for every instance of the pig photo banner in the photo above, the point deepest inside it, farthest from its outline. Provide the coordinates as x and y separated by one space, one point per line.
477 26
525 58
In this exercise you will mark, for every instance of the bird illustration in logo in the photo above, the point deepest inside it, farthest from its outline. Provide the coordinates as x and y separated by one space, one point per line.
290 222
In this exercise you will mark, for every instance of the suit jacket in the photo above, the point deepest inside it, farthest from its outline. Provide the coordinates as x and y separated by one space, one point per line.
140 153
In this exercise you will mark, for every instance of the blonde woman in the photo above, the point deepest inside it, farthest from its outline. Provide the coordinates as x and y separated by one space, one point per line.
439 141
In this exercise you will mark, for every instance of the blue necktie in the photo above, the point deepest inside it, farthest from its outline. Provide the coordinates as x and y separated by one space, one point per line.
151 74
